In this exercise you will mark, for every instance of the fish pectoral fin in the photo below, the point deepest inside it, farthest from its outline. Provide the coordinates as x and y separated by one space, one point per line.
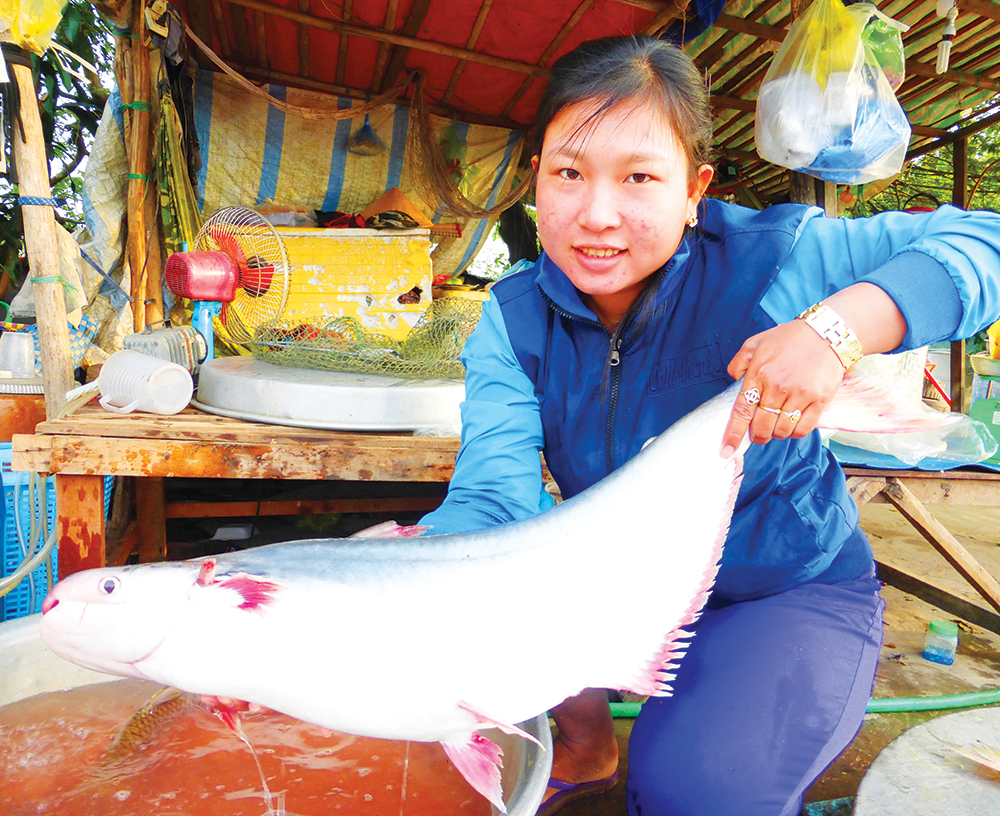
486 720
478 760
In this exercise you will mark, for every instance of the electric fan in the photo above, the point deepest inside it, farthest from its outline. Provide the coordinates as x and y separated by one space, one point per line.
238 271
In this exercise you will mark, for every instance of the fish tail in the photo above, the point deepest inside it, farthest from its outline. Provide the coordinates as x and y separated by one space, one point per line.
864 405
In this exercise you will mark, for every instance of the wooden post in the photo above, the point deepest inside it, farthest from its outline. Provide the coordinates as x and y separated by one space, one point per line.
960 198
42 249
147 303
80 522
803 189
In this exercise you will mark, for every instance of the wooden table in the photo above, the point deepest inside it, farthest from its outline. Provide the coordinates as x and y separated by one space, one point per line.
93 443
908 491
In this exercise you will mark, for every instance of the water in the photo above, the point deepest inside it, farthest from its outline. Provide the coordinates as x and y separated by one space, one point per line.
65 753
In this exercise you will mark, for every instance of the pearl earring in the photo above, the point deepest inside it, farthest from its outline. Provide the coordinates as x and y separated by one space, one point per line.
693 220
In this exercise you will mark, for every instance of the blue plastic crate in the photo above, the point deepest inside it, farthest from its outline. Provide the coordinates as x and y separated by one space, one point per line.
18 602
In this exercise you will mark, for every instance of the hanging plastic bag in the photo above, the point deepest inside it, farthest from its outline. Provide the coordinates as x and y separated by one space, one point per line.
825 107
30 23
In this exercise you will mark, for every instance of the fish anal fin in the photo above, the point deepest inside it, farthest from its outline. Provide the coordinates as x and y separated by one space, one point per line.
654 678
487 721
478 760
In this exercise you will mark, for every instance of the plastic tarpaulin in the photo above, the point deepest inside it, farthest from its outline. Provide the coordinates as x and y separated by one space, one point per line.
253 152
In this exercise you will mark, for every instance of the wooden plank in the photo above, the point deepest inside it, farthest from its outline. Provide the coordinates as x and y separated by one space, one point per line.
261 22
117 552
300 507
345 16
864 488
193 424
397 57
383 48
303 36
569 25
477 28
151 518
220 27
79 522
215 460
959 387
943 541
940 598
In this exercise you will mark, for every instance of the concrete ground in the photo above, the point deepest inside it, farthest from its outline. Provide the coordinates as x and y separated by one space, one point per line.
902 671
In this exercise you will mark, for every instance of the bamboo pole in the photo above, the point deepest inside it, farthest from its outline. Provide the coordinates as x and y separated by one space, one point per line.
147 302
41 246
379 35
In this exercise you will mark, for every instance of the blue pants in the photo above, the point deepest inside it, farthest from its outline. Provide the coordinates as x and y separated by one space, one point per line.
769 694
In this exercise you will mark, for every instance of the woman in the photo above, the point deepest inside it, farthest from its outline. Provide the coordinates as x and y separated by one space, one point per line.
648 300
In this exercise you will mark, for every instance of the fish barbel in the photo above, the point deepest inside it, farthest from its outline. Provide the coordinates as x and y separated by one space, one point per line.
436 637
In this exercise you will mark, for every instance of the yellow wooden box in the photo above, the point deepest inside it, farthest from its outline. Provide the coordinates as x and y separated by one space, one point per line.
359 273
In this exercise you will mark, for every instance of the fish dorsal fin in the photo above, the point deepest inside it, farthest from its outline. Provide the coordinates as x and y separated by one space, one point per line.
478 760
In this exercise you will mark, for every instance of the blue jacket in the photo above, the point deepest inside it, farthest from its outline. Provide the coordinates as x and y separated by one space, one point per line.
536 363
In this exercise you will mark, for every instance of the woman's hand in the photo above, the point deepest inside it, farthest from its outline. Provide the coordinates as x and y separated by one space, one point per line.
790 374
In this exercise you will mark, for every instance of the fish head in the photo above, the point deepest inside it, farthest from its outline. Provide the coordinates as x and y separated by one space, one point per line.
109 620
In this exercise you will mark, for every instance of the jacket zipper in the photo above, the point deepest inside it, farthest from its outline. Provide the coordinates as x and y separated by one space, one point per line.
614 360
617 338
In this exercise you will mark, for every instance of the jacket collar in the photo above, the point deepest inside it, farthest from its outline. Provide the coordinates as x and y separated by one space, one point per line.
566 297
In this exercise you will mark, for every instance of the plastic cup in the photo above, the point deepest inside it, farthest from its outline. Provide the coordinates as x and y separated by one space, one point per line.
133 381
17 354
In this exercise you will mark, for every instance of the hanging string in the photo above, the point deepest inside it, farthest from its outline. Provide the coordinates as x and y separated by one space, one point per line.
387 98
52 279
432 172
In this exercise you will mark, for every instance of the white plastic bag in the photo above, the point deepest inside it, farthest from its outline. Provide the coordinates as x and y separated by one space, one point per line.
825 107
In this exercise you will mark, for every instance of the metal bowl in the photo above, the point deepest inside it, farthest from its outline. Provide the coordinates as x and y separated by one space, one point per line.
30 668
984 365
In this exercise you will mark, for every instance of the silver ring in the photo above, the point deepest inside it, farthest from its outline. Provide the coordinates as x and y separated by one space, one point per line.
770 410
793 416
752 396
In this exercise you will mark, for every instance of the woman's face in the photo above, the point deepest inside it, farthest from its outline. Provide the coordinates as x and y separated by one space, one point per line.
613 197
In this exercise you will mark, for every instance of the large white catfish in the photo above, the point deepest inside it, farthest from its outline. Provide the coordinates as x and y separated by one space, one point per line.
432 627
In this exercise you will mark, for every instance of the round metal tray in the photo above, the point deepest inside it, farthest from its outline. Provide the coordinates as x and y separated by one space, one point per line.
245 388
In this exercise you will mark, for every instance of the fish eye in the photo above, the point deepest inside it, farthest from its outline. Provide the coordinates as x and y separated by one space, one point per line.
109 585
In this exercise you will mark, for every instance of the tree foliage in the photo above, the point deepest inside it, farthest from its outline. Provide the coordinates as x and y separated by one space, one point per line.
929 179
70 109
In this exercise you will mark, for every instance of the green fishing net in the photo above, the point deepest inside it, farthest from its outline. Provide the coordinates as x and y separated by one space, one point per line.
430 350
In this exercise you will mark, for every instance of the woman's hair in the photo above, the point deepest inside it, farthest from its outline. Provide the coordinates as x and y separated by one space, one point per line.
636 68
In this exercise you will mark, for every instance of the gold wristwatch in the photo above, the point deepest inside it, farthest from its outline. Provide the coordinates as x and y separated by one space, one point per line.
830 326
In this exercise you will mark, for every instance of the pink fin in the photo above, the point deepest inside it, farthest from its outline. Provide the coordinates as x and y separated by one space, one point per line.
255 592
207 574
490 722
864 405
654 679
389 529
478 759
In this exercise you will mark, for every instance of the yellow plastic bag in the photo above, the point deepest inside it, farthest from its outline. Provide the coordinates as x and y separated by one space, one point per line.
30 23
825 106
